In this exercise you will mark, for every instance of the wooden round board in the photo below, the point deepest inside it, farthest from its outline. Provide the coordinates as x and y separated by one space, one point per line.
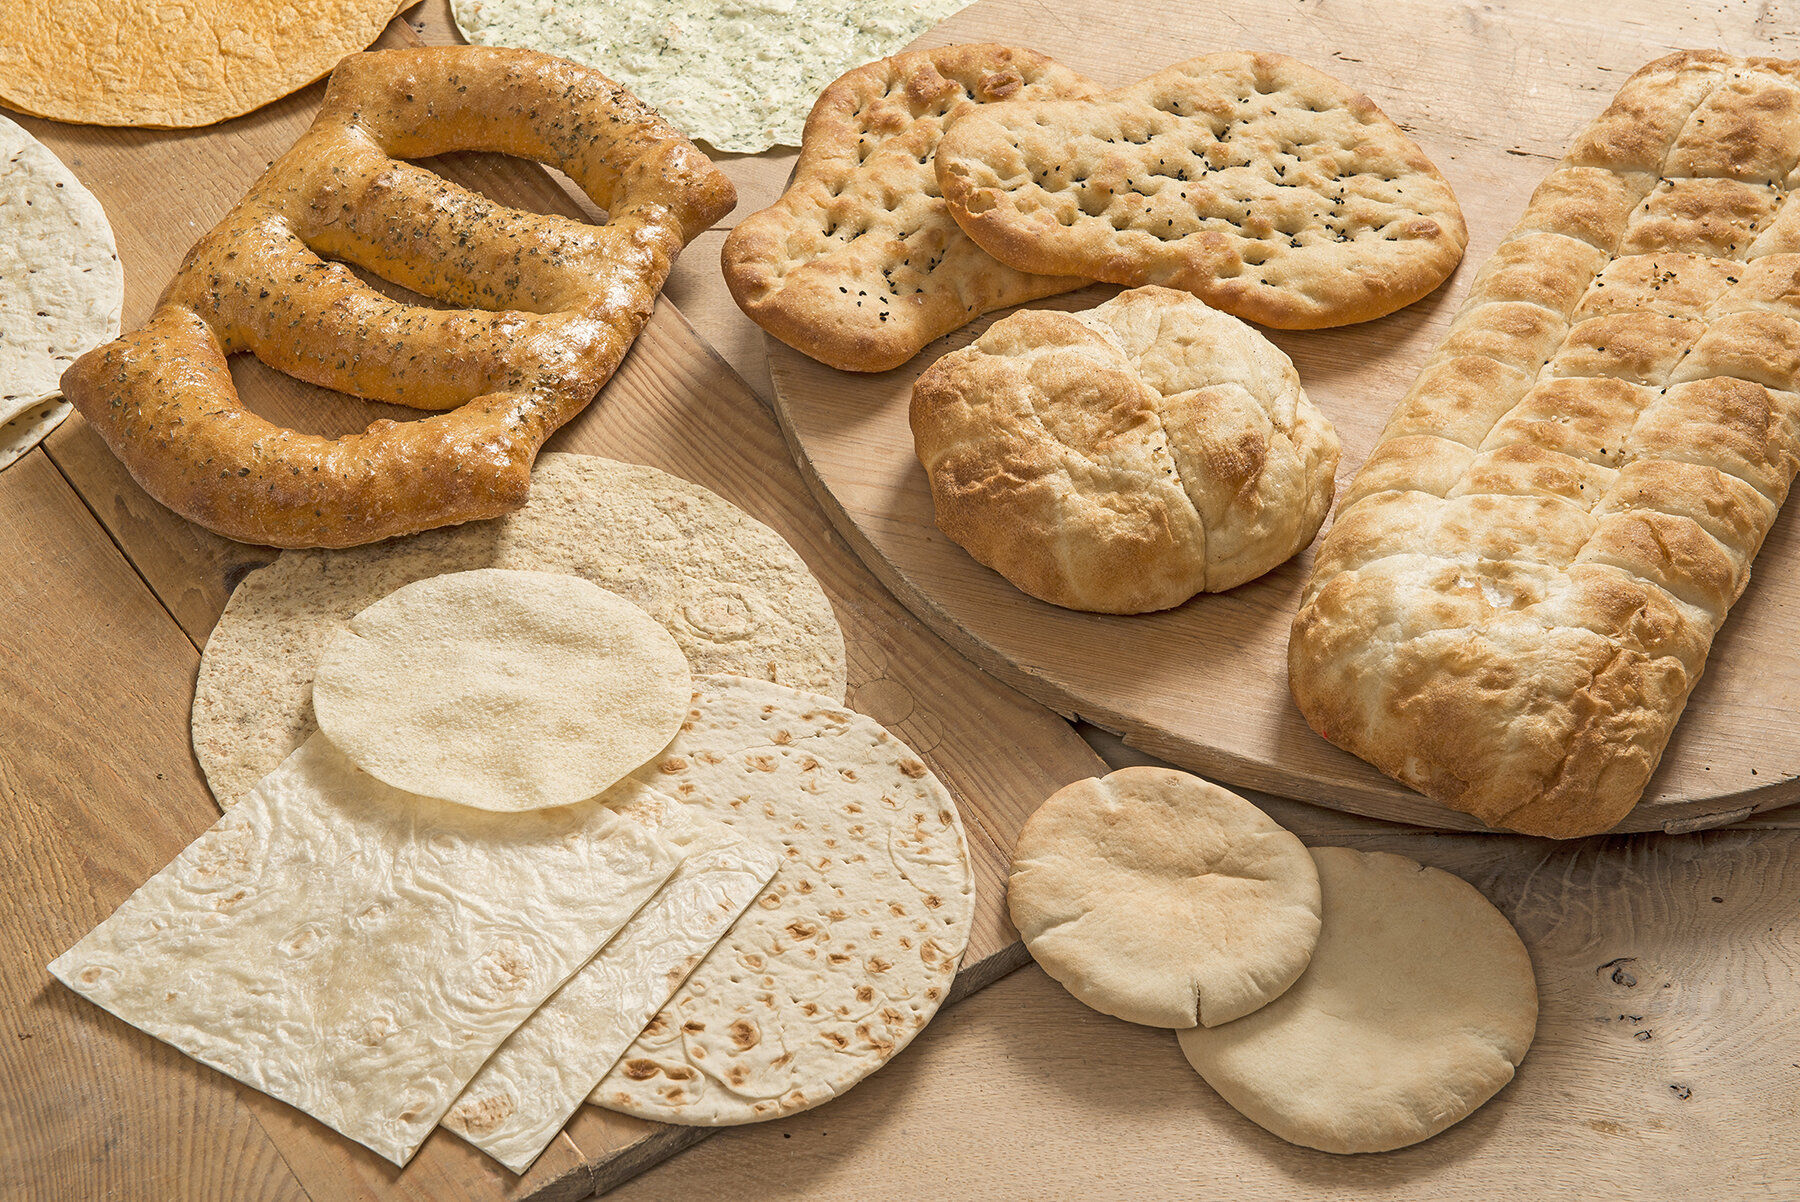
1205 685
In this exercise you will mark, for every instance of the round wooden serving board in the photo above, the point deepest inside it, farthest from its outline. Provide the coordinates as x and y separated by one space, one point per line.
1205 685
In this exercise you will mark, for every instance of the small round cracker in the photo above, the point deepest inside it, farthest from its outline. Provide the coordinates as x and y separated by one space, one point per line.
1163 899
501 690
732 592
1417 1007
850 949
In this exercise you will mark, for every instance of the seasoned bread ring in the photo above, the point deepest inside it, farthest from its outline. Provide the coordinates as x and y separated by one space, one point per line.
564 301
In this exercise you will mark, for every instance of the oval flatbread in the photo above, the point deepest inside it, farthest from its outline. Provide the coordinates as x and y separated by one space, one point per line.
731 591
851 948
1418 1005
501 690
1162 899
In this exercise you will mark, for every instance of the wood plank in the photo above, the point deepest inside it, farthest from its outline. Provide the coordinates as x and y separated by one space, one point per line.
1493 95
673 404
99 792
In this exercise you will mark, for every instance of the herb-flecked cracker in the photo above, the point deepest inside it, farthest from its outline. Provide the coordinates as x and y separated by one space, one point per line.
732 592
852 947
859 264
1263 186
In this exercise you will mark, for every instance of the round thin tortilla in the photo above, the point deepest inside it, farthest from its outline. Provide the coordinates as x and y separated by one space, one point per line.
851 948
742 81
501 690
61 286
1418 1005
1163 899
138 62
731 591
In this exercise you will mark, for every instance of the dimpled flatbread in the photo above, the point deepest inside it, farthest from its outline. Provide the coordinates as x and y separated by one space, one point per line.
358 952
732 592
61 286
1418 1005
852 947
740 76
139 62
528 1089
501 690
1162 899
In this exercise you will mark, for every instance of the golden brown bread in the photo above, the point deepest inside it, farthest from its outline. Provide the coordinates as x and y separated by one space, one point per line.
1523 581
859 264
565 300
1263 186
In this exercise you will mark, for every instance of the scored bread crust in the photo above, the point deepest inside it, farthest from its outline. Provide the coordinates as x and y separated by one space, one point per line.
1263 186
1523 581
858 264
1122 459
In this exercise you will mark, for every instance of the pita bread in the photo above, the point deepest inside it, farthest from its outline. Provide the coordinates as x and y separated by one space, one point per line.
1418 1005
731 591
1162 899
358 952
852 947
501 690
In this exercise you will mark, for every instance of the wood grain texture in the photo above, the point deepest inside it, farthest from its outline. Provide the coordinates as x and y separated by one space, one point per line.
674 404
1493 94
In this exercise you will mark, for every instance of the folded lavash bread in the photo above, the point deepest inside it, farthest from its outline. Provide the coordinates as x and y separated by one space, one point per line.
1523 581
732 592
357 951
851 948
859 264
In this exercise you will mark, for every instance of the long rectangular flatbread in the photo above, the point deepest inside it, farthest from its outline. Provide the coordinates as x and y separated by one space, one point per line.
1524 580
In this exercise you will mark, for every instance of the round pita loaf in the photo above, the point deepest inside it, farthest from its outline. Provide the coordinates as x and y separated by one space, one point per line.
1418 1005
61 286
851 948
731 591
1162 899
501 690
139 62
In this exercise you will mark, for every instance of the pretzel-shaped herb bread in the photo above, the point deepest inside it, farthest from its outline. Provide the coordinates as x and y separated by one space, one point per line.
563 301
1525 578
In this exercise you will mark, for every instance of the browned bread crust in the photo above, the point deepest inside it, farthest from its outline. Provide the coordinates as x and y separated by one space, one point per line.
1263 186
554 303
858 264
1523 581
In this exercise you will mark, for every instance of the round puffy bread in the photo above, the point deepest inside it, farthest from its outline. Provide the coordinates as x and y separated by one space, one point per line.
1418 1005
1122 459
501 690
851 948
61 285
732 592
1163 899
130 62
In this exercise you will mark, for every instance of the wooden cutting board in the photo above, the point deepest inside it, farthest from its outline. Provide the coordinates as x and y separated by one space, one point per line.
1205 685
108 597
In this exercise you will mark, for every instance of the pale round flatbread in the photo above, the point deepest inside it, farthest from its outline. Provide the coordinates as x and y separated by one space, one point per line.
61 286
851 948
731 591
142 62
1418 1005
739 77
1162 899
501 690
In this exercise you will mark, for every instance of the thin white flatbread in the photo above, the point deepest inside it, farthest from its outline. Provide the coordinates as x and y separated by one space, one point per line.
1418 1005
740 76
359 952
852 947
61 285
732 592
502 690
527 1090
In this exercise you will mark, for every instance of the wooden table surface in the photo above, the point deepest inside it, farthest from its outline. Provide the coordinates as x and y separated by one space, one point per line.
1667 1061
